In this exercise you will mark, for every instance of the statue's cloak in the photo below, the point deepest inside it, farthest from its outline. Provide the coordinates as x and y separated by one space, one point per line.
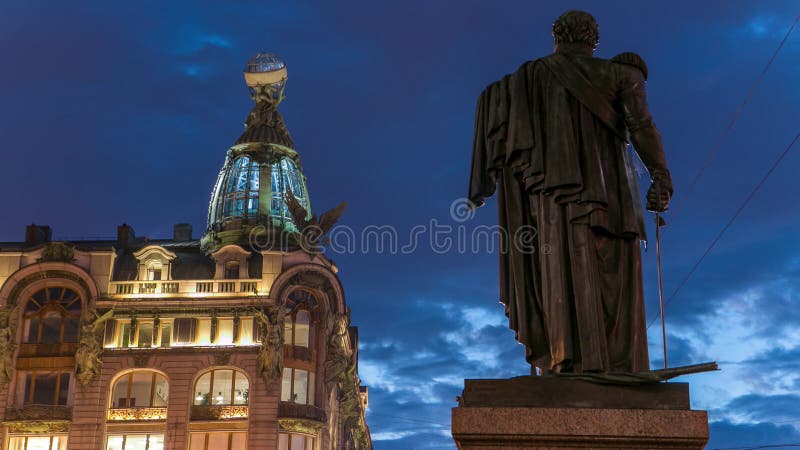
566 173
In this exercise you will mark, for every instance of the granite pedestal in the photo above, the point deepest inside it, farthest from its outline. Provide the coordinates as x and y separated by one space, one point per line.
562 413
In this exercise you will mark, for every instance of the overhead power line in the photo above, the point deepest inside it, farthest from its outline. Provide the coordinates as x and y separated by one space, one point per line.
733 218
707 162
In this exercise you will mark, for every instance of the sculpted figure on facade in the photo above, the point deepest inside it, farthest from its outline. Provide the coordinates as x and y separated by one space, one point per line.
8 319
338 357
270 355
88 357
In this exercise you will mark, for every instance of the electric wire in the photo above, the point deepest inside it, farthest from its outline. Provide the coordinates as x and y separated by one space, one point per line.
733 218
714 150
409 419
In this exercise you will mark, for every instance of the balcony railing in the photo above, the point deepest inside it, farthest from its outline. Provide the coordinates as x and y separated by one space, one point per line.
217 412
293 410
185 288
65 349
39 412
137 414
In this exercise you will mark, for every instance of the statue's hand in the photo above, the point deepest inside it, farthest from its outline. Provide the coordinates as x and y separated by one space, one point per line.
660 192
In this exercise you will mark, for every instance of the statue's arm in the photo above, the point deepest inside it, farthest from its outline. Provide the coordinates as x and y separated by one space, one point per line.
645 136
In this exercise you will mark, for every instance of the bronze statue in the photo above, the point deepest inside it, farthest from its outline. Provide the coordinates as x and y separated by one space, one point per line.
552 138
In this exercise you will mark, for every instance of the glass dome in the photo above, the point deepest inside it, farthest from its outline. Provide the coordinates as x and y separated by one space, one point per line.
264 62
238 190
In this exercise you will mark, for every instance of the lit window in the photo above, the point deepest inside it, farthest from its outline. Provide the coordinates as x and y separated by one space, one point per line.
144 333
203 335
224 331
165 333
135 442
297 328
222 387
218 441
43 388
55 442
293 441
297 386
52 316
248 331
120 334
140 389
154 271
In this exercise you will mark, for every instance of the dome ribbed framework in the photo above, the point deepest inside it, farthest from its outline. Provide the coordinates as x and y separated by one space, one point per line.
260 168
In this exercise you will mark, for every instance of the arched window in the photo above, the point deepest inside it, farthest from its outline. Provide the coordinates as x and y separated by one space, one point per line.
52 316
222 387
140 389
297 325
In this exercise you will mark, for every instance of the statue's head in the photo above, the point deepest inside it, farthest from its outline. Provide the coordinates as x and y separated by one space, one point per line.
576 27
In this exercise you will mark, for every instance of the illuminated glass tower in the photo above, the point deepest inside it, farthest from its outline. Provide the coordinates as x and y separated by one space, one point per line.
260 168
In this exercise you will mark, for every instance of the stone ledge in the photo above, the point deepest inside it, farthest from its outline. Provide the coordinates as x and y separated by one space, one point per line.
554 392
479 428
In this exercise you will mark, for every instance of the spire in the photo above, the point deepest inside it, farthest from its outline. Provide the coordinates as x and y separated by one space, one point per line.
260 168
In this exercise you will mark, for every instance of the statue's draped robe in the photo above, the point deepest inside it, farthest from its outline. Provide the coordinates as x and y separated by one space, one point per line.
576 302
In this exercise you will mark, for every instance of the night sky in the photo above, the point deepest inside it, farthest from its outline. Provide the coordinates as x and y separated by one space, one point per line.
117 112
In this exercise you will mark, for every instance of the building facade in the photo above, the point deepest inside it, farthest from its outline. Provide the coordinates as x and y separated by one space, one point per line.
237 340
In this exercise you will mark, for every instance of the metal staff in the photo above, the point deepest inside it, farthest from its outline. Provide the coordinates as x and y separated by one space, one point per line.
660 223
